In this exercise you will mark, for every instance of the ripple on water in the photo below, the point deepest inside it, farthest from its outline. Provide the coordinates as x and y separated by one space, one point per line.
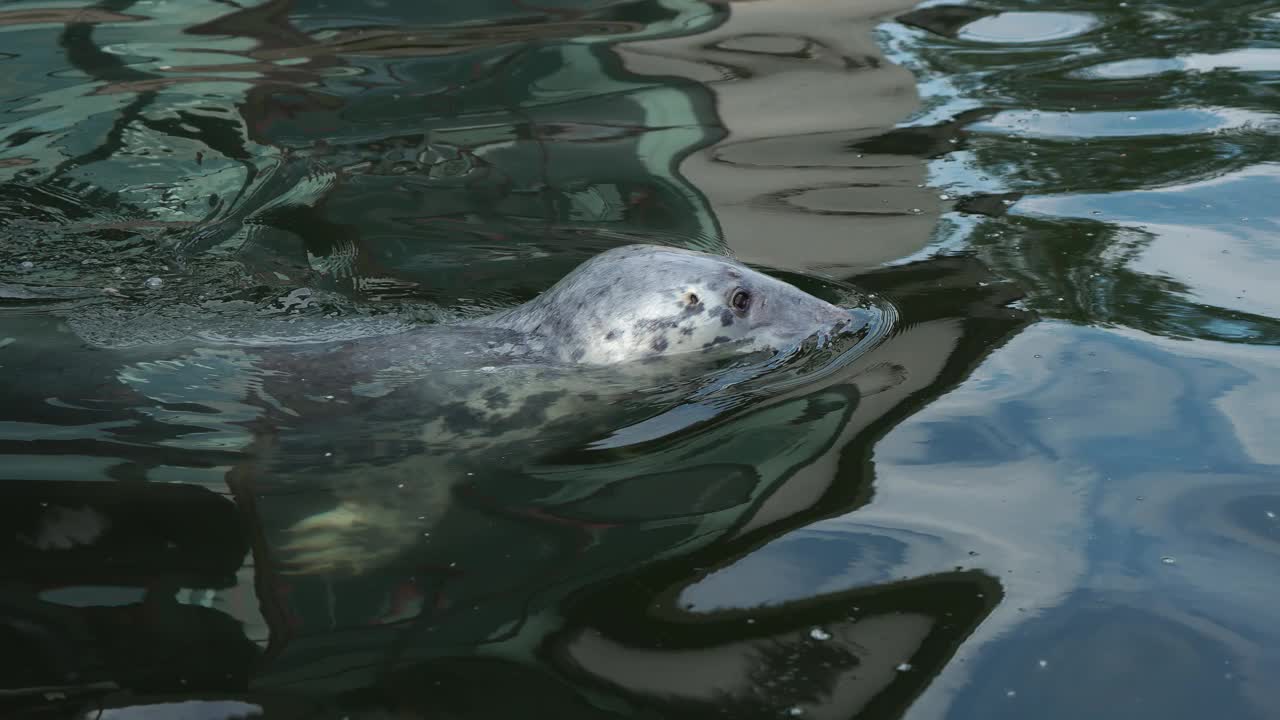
1204 236
1253 60
1181 121
1028 27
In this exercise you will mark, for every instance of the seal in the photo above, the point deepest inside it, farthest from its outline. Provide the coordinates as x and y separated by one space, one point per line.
384 428
641 301
626 305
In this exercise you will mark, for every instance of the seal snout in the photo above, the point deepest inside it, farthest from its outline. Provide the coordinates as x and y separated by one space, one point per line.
837 318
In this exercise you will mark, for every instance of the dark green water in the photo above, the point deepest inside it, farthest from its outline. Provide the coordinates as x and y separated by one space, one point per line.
1049 491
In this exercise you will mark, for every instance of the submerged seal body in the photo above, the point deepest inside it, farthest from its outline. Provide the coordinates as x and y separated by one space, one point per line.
385 428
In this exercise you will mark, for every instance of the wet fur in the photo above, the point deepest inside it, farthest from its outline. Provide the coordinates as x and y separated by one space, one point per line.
642 301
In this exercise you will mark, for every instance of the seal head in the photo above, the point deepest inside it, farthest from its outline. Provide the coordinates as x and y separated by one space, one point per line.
642 301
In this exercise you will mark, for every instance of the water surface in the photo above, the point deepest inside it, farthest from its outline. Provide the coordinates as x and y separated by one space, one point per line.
1046 485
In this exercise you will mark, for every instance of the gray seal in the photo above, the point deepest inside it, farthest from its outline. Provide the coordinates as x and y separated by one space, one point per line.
384 428
640 301
624 309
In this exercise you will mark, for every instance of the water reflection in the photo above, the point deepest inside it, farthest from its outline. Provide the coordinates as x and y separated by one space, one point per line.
643 579
975 515
197 530
1113 527
1106 463
797 87
332 111
1161 171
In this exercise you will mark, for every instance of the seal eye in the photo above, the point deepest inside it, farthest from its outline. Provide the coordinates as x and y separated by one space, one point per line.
740 300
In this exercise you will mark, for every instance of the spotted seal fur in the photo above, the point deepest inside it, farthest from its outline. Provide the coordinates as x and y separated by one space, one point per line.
640 301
